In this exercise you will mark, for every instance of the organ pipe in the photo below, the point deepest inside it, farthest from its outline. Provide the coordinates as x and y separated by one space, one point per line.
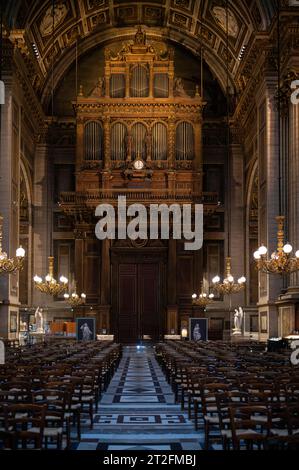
93 141
159 142
139 132
117 85
184 141
139 82
118 141
161 85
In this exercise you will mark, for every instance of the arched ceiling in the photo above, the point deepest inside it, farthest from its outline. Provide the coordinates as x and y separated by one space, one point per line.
92 65
98 22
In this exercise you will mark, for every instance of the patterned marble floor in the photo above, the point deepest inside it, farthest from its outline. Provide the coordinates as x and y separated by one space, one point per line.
138 411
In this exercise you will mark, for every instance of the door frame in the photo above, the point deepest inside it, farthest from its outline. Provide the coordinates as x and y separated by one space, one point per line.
142 255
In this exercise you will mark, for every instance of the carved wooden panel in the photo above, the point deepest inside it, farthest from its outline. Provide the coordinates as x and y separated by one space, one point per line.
127 303
91 274
149 304
185 276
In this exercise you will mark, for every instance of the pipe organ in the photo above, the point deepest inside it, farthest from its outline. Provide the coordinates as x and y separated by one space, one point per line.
139 111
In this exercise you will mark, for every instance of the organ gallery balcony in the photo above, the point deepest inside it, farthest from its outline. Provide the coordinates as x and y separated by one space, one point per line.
77 202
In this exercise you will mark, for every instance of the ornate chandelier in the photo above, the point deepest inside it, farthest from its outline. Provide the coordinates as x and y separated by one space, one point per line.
228 286
281 261
49 285
74 299
10 265
203 299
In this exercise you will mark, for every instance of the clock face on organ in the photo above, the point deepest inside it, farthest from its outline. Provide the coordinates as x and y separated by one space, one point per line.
138 165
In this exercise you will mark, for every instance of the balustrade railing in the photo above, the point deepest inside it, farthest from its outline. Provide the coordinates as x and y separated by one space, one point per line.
91 197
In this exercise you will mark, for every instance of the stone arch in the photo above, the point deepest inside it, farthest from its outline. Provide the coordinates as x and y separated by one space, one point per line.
102 39
25 233
252 235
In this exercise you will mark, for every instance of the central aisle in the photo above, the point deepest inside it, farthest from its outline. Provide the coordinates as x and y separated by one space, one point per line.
138 412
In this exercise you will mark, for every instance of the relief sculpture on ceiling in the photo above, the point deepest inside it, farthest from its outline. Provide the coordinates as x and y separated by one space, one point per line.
231 23
46 26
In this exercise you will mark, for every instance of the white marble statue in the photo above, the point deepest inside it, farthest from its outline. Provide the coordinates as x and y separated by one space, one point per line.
238 319
39 321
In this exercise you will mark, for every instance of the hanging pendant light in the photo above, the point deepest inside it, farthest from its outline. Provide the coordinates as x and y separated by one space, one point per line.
203 299
74 299
228 286
49 285
281 261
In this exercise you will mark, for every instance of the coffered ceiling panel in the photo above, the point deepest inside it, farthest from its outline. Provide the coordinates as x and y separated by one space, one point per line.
189 22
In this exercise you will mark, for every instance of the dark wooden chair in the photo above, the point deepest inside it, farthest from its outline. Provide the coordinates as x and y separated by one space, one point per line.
27 423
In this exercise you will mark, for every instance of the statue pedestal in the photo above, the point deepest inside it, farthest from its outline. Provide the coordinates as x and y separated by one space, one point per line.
39 331
239 339
35 337
237 332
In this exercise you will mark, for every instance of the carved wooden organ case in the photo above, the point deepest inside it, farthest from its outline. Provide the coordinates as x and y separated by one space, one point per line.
138 132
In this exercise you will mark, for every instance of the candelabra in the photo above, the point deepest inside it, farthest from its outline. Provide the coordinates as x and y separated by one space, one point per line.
203 299
74 299
281 261
228 286
49 285
10 265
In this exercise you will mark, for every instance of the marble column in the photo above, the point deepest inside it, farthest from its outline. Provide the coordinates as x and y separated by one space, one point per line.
269 286
288 302
41 216
237 212
6 200
293 187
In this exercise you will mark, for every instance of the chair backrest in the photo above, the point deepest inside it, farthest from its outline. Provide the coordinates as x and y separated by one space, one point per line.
247 418
54 399
27 423
25 416
14 396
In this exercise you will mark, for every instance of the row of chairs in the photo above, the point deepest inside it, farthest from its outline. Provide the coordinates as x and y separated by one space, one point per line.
216 380
41 400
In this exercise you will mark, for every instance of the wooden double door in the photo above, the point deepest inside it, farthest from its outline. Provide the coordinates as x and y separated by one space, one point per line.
137 310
